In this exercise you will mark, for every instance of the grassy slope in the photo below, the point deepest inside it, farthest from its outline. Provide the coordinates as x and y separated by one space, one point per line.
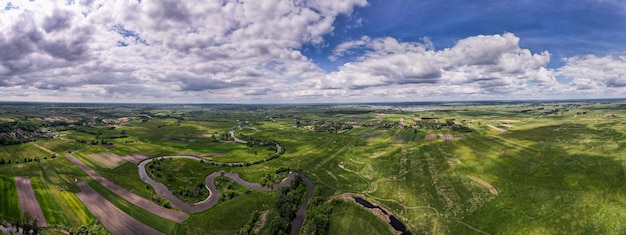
229 216
349 218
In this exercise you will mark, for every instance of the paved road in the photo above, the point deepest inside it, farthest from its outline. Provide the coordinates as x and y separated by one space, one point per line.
135 199
232 134
214 194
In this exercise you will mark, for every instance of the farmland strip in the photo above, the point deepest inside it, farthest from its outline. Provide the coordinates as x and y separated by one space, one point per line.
114 219
148 205
28 200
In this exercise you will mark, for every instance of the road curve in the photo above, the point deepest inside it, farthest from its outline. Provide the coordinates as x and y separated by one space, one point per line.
214 194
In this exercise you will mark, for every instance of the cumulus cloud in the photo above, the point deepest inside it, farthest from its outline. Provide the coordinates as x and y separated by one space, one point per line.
250 51
184 47
484 64
594 73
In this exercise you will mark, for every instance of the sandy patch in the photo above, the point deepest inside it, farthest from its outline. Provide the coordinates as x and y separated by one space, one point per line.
114 219
496 128
28 200
485 184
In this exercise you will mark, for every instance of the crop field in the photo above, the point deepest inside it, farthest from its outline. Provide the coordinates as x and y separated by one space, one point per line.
501 168
9 200
60 207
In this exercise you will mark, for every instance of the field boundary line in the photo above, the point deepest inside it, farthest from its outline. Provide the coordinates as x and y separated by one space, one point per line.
44 149
475 229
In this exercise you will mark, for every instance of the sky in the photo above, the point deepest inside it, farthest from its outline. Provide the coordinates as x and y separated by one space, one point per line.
298 51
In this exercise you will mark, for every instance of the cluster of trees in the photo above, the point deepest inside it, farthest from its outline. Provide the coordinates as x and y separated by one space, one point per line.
287 202
318 216
161 201
28 224
93 229
26 160
247 228
271 179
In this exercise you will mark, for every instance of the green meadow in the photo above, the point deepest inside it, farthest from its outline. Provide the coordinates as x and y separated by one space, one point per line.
485 168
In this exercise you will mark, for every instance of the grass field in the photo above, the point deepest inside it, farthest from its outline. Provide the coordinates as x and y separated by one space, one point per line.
60 207
558 169
350 218
229 216
10 205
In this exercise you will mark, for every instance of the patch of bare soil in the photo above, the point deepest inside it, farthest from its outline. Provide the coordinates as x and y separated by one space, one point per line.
114 219
111 121
110 160
431 137
261 223
135 158
496 128
508 121
447 137
371 137
492 189
28 200
399 141
56 119
202 135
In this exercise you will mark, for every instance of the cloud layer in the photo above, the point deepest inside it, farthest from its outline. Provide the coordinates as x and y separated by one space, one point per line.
251 51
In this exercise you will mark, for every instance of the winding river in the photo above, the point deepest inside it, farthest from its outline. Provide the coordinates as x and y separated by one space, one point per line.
214 194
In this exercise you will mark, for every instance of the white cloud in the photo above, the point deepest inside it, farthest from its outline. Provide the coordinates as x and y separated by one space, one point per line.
216 51
184 47
478 65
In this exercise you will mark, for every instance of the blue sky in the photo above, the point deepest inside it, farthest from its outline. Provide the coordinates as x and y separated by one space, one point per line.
311 51
573 28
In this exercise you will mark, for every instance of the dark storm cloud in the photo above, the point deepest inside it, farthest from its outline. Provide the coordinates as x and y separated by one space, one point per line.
59 20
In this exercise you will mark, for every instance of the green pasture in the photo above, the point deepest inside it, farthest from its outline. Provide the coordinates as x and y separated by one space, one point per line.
349 218
20 151
182 175
229 216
